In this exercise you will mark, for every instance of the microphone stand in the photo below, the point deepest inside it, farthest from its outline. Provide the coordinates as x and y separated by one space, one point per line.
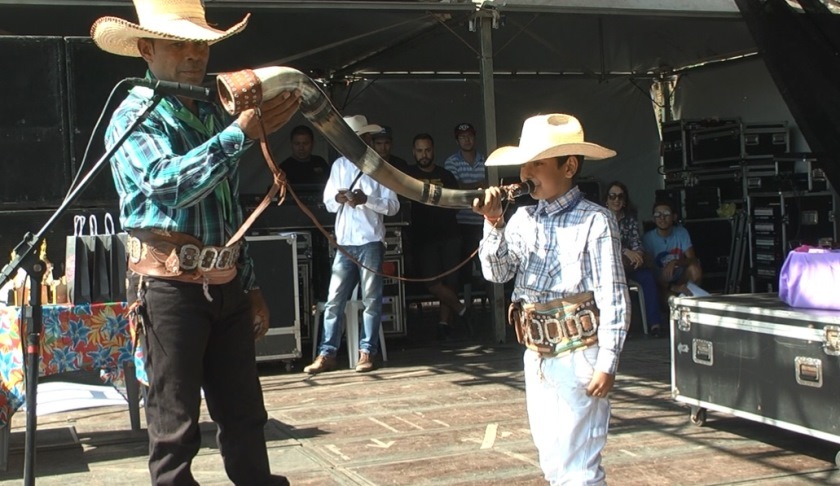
27 259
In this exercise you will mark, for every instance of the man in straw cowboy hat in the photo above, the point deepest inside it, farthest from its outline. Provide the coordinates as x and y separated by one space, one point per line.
570 295
177 176
360 203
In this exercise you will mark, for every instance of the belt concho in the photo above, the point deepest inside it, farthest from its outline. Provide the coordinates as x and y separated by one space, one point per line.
556 327
189 257
178 256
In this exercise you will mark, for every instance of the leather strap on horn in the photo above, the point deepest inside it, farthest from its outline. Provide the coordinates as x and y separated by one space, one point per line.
243 90
278 185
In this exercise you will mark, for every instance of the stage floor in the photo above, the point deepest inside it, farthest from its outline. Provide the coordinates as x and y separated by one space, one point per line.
442 414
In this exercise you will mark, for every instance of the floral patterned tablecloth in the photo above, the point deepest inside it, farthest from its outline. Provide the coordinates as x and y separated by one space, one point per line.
75 337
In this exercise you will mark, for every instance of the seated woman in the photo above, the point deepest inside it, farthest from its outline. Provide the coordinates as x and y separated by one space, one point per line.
632 253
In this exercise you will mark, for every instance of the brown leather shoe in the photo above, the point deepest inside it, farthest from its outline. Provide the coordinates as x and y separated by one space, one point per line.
365 363
321 364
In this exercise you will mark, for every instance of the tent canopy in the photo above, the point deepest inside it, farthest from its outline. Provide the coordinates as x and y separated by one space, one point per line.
337 41
340 39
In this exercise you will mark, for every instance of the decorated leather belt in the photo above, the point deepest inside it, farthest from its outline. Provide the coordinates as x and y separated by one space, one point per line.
179 256
557 327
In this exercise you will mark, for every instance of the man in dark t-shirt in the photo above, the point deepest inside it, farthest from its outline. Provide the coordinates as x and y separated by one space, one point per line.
435 241
302 167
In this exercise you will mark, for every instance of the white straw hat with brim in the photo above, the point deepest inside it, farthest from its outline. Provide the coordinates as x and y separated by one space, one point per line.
546 136
178 20
360 125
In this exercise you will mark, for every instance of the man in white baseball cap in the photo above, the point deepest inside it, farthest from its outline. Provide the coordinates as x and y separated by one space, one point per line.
570 300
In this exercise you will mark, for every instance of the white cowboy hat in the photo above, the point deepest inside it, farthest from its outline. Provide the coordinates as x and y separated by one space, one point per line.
546 136
359 124
179 20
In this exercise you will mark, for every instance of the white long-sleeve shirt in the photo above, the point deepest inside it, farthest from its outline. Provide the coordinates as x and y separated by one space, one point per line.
561 248
363 224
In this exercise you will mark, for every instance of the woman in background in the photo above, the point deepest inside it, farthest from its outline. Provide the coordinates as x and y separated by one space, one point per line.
632 253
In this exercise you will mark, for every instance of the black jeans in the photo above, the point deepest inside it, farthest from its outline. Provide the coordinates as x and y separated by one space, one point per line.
190 344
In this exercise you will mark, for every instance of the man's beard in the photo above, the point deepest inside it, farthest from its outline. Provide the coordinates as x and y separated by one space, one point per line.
424 162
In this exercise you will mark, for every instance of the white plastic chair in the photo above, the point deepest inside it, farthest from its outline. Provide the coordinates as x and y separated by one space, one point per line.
631 286
352 310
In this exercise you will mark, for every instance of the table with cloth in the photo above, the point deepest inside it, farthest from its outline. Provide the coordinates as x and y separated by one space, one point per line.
74 337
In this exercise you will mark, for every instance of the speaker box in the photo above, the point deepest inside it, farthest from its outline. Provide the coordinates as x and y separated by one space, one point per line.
701 202
276 267
712 242
34 151
88 88
591 189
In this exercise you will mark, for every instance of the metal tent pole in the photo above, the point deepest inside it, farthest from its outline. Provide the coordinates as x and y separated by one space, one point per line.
487 19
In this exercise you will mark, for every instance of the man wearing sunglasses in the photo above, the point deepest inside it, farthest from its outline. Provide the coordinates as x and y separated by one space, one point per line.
670 249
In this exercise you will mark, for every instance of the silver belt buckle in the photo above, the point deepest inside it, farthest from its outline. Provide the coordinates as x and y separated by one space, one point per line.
189 256
535 323
225 258
578 326
207 258
135 249
558 327
592 319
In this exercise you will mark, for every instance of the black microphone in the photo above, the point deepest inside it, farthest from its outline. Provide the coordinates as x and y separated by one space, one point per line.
173 88
509 191
523 188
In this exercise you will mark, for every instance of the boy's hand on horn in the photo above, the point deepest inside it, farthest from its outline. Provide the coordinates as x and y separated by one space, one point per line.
490 206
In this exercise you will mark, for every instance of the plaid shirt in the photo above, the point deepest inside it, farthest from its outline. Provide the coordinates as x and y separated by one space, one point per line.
561 248
179 172
466 173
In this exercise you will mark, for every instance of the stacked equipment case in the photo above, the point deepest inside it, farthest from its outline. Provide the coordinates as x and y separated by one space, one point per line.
783 221
702 172
752 356
276 266
715 168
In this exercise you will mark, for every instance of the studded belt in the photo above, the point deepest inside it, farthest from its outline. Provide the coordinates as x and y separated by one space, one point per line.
179 256
556 327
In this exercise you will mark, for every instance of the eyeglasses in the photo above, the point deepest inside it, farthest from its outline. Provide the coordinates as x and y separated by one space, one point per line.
661 214
615 195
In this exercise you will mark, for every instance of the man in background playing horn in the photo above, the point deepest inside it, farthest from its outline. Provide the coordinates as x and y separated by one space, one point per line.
177 176
570 294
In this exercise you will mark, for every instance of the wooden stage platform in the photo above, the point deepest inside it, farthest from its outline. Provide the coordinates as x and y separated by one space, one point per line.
443 414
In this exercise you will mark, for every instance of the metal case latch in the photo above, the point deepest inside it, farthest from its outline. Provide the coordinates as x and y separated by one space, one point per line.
683 318
809 371
831 346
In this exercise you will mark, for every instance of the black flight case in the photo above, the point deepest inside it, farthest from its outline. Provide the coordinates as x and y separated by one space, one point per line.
753 356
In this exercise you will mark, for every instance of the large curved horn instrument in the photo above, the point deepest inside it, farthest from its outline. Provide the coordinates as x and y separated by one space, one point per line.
246 89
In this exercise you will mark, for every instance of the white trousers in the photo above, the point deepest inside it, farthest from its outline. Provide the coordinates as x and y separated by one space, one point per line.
569 428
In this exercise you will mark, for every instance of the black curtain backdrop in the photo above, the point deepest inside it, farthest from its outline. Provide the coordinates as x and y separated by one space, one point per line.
800 50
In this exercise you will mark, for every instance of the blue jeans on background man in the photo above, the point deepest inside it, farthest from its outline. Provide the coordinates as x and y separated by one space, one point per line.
345 276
